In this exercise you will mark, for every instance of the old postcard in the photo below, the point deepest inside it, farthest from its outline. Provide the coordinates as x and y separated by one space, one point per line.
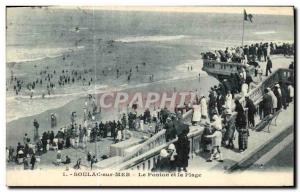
150 96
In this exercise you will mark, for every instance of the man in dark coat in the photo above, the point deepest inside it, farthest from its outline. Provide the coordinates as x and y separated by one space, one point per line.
251 111
267 104
241 126
183 150
212 104
269 66
170 130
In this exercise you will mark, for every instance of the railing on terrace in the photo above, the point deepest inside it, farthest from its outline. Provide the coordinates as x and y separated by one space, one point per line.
156 140
224 68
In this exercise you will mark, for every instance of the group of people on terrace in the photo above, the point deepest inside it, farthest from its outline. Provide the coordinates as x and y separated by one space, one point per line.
247 53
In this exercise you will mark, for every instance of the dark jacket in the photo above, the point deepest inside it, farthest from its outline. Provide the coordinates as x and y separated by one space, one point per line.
269 64
251 107
182 149
267 103
279 98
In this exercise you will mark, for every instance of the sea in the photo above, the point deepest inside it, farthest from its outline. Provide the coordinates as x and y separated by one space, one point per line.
41 35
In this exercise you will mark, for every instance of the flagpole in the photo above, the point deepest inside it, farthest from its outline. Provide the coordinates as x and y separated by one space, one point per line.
243 29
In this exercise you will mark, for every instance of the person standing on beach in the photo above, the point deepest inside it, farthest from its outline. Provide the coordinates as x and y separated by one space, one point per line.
32 161
269 66
93 161
36 129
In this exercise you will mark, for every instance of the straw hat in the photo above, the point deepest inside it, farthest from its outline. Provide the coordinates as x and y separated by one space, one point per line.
215 117
171 146
163 153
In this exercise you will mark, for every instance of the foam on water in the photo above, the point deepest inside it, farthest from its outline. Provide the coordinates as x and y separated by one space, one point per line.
264 32
150 38
21 55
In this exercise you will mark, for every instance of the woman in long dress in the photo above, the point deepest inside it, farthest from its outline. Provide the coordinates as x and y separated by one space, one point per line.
228 100
196 114
244 89
203 105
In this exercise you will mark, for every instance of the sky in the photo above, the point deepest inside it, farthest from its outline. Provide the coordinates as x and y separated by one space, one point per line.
195 9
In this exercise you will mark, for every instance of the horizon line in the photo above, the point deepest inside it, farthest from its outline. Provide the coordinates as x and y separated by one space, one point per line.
279 10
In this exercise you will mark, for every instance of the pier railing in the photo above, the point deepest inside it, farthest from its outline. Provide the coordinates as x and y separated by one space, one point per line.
257 93
156 140
148 160
223 68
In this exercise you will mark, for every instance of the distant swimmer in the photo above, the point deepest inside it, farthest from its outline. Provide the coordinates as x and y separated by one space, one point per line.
77 29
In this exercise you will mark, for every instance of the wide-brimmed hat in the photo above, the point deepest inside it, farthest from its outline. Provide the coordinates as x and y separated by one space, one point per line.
215 117
171 146
163 153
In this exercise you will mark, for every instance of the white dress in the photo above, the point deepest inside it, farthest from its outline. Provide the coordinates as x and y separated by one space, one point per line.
203 104
228 101
274 99
119 135
244 89
291 91
142 125
196 113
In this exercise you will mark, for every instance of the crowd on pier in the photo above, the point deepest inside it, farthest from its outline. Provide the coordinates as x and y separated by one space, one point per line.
249 53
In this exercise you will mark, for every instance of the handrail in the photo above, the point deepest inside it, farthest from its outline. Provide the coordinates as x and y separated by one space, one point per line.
223 63
256 93
154 138
151 153
141 147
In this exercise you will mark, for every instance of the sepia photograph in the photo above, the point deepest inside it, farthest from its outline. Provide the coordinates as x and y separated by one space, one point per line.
150 96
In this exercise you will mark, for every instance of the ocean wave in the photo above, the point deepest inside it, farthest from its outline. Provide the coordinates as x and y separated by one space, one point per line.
22 55
264 32
78 29
150 38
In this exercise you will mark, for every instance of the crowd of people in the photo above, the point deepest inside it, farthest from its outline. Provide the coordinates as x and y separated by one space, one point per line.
47 81
249 53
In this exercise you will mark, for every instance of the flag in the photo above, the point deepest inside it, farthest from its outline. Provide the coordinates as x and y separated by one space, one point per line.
247 16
